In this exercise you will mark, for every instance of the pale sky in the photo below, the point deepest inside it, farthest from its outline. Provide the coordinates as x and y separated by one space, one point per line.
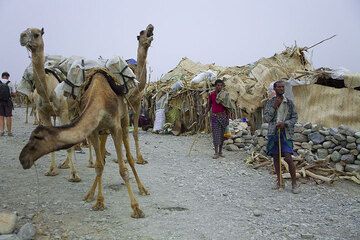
227 32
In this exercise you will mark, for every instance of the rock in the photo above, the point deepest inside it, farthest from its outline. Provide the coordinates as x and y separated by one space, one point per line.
317 146
239 140
348 158
331 150
358 140
228 141
27 232
333 131
298 137
306 145
351 146
9 237
302 152
324 132
339 167
257 213
264 126
357 134
7 222
264 132
257 132
344 151
328 144
343 144
354 152
352 168
315 127
307 236
336 142
358 147
247 137
358 157
335 156
231 147
307 125
298 128
262 142
240 145
328 138
306 131
337 148
357 162
316 138
322 153
350 139
339 137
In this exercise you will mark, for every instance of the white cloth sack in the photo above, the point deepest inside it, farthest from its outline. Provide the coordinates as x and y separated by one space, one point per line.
159 120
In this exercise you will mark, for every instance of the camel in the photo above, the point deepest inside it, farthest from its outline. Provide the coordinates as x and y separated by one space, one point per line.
101 110
135 95
47 102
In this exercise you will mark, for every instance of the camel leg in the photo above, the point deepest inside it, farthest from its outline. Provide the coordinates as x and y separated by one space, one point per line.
140 159
27 111
53 170
99 166
117 137
91 160
65 163
69 162
125 124
74 177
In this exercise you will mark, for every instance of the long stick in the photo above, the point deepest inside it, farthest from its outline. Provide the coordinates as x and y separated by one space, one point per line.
280 174
307 48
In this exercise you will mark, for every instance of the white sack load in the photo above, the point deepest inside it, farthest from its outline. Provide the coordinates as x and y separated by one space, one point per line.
207 75
159 120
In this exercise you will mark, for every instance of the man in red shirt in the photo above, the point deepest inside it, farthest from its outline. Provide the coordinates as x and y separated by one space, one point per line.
219 119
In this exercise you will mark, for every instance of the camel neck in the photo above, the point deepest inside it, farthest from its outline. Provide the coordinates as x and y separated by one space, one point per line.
39 75
141 71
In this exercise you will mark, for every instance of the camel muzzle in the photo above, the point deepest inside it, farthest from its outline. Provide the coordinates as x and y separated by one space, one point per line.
25 160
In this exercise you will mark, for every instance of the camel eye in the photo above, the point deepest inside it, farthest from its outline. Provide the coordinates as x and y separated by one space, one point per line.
36 35
38 137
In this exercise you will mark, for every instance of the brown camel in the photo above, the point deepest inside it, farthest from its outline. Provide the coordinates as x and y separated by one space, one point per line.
47 102
101 110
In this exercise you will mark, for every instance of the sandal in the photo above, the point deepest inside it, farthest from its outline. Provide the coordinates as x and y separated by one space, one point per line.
221 155
295 189
216 156
10 134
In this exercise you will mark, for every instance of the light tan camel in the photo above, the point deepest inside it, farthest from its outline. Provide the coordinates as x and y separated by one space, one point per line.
101 110
47 102
145 38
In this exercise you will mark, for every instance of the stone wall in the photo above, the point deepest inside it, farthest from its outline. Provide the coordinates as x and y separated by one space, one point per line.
311 141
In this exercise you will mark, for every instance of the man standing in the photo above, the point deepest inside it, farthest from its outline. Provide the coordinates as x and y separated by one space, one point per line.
219 119
281 115
7 89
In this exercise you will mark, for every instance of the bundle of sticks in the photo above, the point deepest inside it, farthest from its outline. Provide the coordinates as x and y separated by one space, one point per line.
320 171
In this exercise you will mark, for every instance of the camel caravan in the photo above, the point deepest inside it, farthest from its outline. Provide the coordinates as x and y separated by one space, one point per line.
91 99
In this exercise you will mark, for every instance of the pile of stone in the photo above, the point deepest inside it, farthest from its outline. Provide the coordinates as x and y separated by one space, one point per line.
312 142
7 228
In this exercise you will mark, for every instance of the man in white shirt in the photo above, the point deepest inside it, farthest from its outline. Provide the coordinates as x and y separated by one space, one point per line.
7 90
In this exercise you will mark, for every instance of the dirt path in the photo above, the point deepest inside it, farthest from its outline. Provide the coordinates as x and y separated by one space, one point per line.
191 197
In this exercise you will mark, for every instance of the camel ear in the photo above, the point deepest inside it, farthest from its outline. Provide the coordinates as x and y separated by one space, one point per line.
42 31
138 38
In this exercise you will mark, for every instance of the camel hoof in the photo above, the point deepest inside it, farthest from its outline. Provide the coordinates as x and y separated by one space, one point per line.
107 153
64 165
143 191
74 178
143 162
138 213
91 165
52 173
115 160
89 198
99 206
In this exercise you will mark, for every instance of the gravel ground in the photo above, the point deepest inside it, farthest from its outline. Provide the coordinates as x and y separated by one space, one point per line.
191 197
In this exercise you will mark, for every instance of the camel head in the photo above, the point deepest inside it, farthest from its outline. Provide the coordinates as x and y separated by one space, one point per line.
146 36
42 141
32 39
